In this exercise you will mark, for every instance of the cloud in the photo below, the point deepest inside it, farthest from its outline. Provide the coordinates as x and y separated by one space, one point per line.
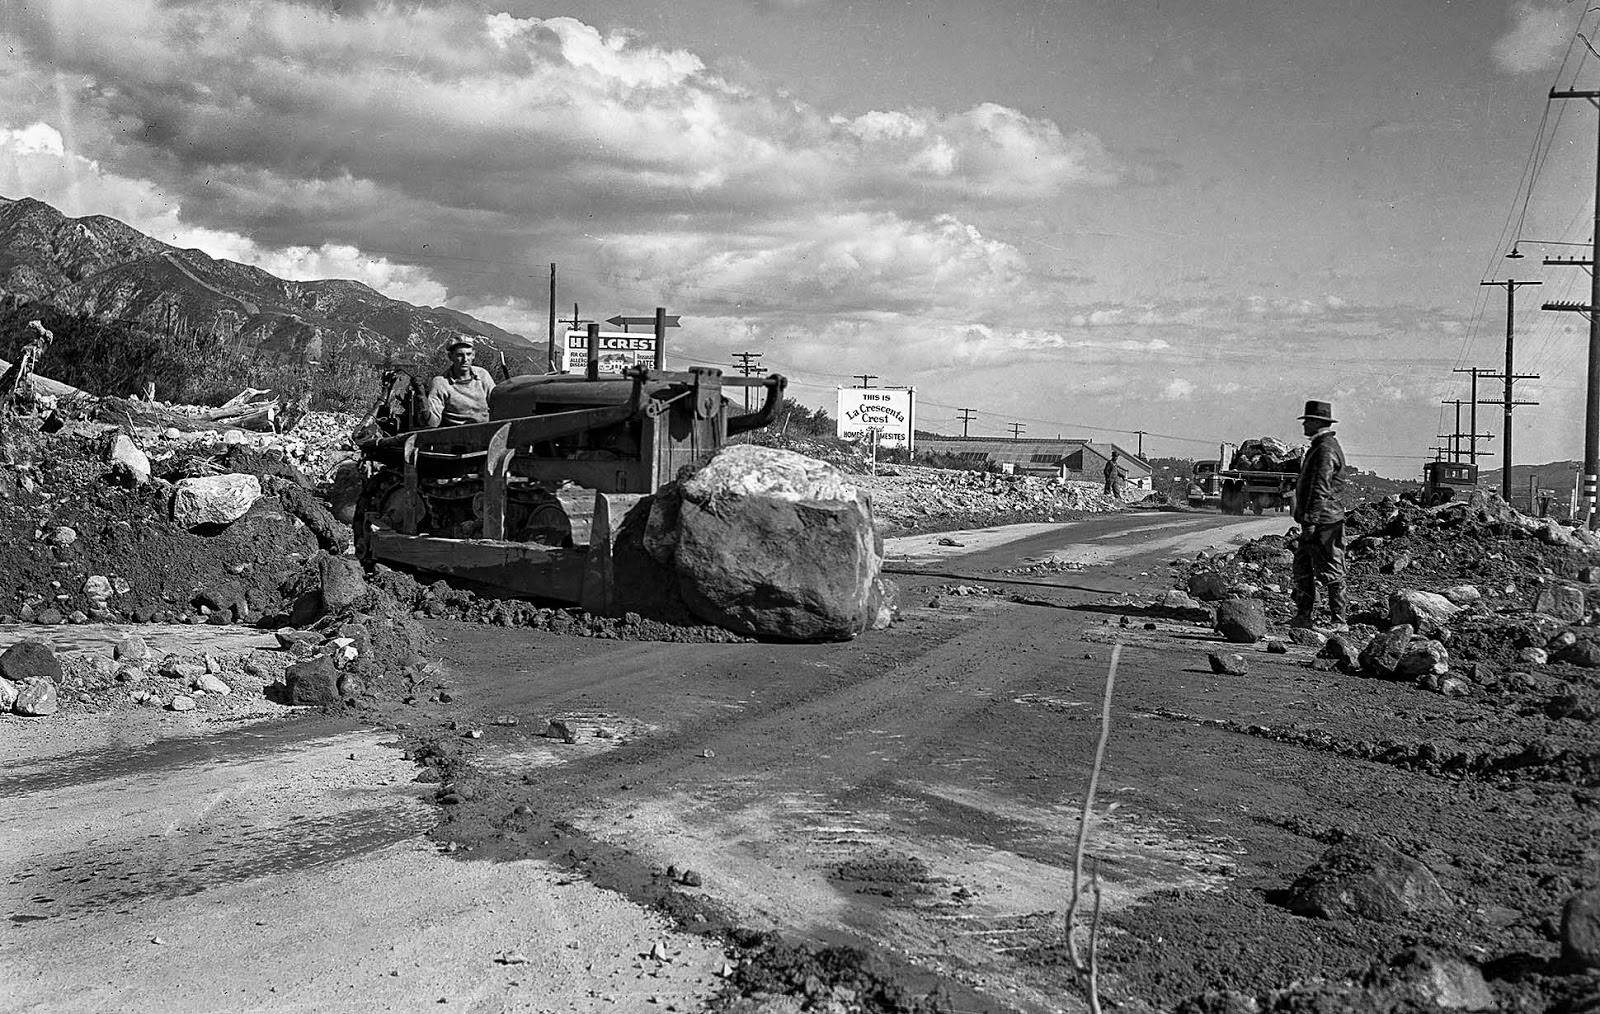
1537 37
1178 389
34 160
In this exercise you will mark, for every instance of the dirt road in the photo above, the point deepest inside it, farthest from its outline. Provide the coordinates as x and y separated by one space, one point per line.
914 793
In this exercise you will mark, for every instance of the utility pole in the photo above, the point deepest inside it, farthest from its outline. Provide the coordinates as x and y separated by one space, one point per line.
747 367
1509 377
967 415
550 354
1472 452
1591 411
1455 437
865 378
1141 434
1016 430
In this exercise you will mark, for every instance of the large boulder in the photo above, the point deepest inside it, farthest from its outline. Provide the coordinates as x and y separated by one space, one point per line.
1580 930
1241 621
772 544
28 660
214 500
1426 612
1366 879
313 683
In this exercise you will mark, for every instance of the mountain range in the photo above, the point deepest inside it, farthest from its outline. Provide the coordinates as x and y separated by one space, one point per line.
98 275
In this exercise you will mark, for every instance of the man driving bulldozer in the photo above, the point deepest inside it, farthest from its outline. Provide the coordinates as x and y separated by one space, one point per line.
461 394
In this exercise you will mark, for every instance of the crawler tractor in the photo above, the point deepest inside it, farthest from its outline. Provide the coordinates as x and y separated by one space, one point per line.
526 504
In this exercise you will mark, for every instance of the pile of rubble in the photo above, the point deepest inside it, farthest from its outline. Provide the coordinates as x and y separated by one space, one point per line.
912 498
1470 600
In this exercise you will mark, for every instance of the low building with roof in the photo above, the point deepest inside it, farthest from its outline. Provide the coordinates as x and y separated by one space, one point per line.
1067 458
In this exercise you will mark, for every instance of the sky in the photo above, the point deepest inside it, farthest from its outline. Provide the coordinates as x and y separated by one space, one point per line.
1087 217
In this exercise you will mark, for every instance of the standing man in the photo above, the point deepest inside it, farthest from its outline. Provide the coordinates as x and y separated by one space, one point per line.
1113 475
1319 552
461 395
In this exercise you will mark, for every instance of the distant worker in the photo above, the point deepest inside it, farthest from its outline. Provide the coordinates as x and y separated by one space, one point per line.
1319 510
1114 477
461 395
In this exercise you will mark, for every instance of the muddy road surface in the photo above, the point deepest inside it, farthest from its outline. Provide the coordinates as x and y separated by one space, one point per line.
914 794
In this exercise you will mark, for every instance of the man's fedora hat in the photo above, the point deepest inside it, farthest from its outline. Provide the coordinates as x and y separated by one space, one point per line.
1319 410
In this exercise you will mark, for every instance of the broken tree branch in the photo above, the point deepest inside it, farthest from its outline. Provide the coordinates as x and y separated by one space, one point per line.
1088 809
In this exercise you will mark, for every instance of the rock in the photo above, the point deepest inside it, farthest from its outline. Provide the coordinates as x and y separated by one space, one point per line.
49 618
312 683
1241 621
1276 647
1361 878
1426 612
214 500
132 649
1580 930
1583 652
1449 686
1423 658
1180 605
772 544
1308 638
343 582
1462 594
1344 649
563 730
8 695
1443 980
1382 655
125 453
181 702
288 637
63 537
1228 664
27 660
1395 565
302 504
36 698
1561 600
97 587
1533 656
1208 585
212 685
1552 533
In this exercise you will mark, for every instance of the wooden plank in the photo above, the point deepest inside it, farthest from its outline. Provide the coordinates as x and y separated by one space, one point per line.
520 569
598 592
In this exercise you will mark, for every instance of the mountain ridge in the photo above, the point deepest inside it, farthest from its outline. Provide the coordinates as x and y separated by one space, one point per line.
100 280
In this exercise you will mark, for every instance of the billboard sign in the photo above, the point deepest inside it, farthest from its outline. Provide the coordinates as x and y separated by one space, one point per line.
618 351
890 412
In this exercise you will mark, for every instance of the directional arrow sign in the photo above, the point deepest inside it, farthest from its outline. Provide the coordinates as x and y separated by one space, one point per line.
621 321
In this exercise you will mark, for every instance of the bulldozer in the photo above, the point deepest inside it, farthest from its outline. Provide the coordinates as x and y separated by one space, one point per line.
527 504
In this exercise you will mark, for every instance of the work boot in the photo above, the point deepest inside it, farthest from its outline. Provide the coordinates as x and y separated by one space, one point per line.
1302 619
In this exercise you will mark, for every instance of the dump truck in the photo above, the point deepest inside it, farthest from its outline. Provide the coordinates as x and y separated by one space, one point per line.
1254 475
527 504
